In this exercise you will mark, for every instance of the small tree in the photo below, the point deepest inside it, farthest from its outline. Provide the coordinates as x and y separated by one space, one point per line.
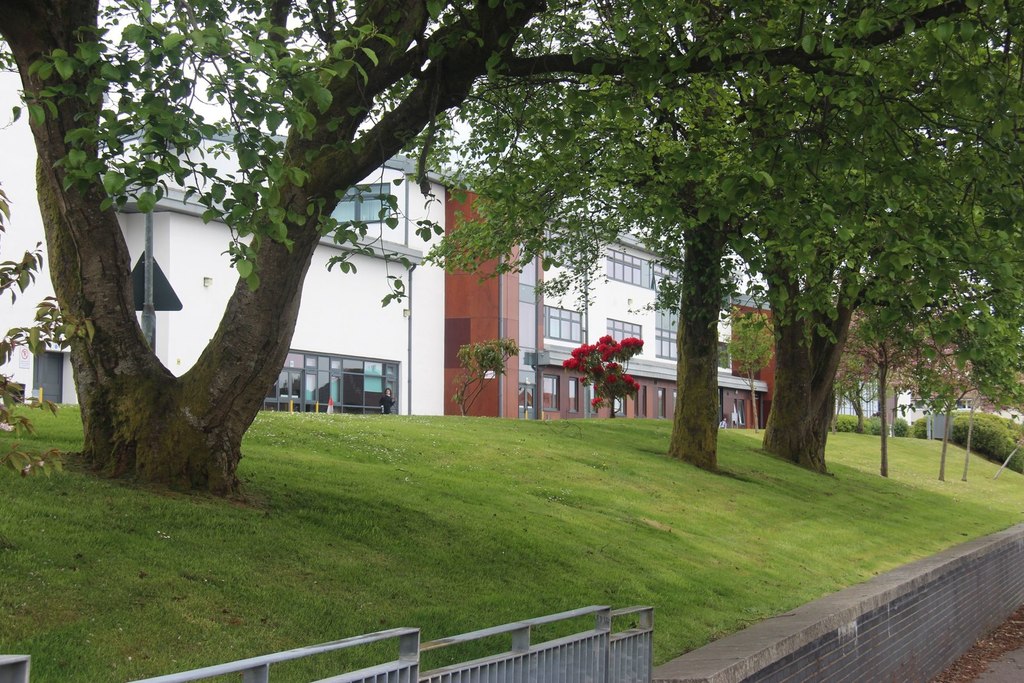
481 363
603 365
751 347
49 327
883 348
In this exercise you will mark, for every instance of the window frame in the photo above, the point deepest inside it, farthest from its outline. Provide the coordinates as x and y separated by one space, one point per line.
564 317
623 267
666 335
554 403
621 329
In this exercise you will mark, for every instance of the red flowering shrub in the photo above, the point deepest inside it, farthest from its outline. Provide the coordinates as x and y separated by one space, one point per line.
603 366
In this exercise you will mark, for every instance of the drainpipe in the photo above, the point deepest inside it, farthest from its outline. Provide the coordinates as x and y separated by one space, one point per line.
501 376
408 367
586 336
538 341
148 308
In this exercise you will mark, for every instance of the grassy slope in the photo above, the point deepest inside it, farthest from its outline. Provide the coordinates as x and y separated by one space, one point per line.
360 523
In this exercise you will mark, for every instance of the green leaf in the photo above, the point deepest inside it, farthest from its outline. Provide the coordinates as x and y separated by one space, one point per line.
172 40
807 43
244 269
146 202
371 55
113 182
65 66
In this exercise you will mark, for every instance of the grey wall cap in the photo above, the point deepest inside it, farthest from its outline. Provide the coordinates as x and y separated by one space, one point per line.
743 654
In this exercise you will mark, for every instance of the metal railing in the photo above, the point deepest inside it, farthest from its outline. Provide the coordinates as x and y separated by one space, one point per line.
595 655
14 668
257 669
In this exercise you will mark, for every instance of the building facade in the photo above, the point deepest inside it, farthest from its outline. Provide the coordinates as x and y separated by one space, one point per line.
347 348
620 301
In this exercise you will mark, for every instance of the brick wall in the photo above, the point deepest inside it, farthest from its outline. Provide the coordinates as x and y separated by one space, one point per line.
906 625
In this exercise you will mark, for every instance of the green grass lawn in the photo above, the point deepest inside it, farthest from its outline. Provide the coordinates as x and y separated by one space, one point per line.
356 524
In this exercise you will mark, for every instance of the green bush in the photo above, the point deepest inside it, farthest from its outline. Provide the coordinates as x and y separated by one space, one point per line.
919 430
993 437
873 426
900 427
846 423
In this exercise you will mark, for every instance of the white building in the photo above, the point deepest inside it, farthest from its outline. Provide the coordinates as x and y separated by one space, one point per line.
346 347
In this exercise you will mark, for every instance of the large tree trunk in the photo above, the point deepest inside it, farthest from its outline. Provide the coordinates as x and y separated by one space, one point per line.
139 420
695 424
804 402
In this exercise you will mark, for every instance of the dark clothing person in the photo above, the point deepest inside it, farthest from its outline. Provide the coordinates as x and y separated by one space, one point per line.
386 402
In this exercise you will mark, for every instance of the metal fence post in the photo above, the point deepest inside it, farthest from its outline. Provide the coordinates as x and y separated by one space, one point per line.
14 668
257 674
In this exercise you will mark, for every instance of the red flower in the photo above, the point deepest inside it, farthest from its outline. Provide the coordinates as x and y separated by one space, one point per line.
595 402
571 363
628 379
606 339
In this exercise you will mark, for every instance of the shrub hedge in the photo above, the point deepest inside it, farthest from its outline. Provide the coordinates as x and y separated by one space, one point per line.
846 423
993 437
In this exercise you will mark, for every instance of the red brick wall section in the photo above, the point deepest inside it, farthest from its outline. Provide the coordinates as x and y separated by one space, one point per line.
471 316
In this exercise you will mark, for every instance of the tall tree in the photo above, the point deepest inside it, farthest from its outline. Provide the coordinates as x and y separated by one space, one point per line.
640 116
112 110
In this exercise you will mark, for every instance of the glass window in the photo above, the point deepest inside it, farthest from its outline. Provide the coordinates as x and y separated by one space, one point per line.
723 355
550 392
665 326
641 402
621 329
625 268
574 395
662 400
659 273
563 324
365 204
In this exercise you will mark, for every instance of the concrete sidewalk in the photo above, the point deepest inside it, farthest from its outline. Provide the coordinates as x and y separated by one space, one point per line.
1007 669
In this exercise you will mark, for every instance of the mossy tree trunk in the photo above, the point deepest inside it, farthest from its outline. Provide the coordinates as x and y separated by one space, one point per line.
140 421
805 367
695 423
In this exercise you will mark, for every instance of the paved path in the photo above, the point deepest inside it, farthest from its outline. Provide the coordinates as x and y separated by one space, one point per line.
1009 668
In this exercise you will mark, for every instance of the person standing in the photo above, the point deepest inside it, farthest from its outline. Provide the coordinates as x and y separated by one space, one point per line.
387 402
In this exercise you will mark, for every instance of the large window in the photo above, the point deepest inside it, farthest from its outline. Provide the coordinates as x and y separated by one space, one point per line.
325 383
659 273
662 399
574 395
665 334
621 329
641 402
560 323
550 392
723 355
364 204
626 268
